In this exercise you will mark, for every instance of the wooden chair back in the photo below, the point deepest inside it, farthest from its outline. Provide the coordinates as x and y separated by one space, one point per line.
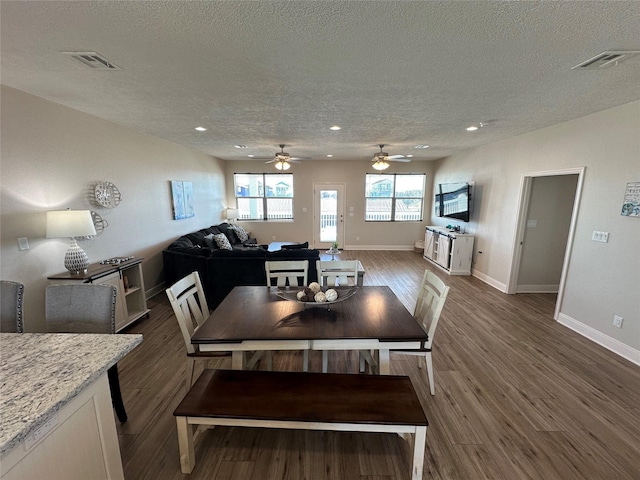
189 305
287 272
431 297
332 273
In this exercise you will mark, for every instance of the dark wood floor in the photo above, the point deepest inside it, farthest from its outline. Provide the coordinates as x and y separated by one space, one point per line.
518 396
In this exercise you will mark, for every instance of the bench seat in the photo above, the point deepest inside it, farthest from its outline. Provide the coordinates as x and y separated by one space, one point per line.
300 400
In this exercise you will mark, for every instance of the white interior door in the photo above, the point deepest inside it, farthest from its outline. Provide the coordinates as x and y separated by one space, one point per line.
328 215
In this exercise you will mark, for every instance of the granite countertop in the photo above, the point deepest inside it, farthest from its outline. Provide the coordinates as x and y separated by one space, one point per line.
41 372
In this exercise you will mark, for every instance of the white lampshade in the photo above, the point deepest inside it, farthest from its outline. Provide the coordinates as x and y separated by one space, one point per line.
232 213
71 223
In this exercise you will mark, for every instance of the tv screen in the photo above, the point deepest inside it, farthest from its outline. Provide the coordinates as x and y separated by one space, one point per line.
452 201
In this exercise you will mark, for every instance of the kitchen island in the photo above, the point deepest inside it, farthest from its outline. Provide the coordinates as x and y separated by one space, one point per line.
57 420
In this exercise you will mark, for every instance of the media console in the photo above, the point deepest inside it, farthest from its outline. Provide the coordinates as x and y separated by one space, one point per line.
449 250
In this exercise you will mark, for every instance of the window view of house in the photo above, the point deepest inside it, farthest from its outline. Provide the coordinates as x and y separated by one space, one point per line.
264 196
394 197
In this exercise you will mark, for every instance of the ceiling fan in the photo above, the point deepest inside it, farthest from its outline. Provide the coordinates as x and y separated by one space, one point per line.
381 159
282 159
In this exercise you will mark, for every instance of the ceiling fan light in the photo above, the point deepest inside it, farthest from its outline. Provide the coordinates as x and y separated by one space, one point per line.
380 165
282 165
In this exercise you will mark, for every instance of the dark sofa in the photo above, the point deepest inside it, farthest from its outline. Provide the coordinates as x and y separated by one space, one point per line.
220 270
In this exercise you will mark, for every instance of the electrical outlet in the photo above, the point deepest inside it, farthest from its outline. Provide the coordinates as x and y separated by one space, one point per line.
357 239
617 321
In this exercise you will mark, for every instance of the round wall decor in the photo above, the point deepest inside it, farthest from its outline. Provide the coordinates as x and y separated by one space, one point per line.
107 194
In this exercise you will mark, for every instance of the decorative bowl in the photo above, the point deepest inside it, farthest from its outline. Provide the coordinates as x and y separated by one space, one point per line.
344 293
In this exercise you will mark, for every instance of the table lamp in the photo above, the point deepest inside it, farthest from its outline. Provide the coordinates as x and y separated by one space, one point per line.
232 214
71 223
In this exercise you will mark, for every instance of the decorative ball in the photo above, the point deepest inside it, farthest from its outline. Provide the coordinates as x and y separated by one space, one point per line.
315 287
307 290
320 297
331 295
300 295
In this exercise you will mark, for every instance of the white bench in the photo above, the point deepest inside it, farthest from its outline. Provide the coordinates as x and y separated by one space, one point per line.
300 400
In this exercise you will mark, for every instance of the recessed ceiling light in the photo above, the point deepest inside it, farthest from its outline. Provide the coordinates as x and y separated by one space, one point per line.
239 146
335 127
409 156
250 155
329 155
472 128
421 146
201 129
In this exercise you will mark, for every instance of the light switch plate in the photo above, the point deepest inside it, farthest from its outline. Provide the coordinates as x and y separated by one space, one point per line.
23 243
600 236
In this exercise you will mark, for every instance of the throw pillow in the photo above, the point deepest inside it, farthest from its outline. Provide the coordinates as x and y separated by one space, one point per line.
209 241
242 234
222 241
231 235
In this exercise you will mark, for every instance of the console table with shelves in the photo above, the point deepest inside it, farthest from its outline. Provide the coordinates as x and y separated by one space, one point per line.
126 275
451 251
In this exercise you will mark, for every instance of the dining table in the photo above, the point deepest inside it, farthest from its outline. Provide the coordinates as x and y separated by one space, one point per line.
257 318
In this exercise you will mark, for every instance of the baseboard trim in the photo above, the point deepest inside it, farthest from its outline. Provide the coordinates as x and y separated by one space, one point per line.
616 346
489 281
537 288
156 290
396 248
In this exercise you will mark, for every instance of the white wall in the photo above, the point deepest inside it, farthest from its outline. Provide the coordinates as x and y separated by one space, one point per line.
52 154
603 278
372 235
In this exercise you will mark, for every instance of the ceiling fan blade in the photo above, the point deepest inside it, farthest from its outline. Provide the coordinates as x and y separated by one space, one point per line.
392 157
299 158
270 161
403 160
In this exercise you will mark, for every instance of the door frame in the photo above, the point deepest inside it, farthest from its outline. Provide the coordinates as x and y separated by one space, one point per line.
522 209
340 234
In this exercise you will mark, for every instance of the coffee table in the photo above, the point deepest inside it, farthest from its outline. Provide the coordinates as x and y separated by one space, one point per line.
275 246
254 318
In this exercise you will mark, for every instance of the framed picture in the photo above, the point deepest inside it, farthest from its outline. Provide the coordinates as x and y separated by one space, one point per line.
182 193
631 204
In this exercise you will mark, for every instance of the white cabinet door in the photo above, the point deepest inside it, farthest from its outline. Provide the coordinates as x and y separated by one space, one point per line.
444 249
428 244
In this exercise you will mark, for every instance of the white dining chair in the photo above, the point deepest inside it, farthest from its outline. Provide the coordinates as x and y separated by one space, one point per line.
190 307
431 298
335 273
288 273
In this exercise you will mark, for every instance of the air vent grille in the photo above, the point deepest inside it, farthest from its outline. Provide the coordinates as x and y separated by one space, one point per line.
606 59
93 60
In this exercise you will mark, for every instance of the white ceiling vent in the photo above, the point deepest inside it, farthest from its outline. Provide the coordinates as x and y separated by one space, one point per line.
93 60
607 59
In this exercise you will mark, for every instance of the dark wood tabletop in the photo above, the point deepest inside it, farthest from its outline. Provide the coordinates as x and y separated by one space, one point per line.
257 313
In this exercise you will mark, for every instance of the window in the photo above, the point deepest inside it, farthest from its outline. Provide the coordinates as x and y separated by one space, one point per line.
394 197
264 196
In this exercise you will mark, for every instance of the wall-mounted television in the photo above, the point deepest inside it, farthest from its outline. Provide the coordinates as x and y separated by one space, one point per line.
453 200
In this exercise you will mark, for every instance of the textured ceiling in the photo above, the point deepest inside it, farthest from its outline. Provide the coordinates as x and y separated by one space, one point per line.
260 73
